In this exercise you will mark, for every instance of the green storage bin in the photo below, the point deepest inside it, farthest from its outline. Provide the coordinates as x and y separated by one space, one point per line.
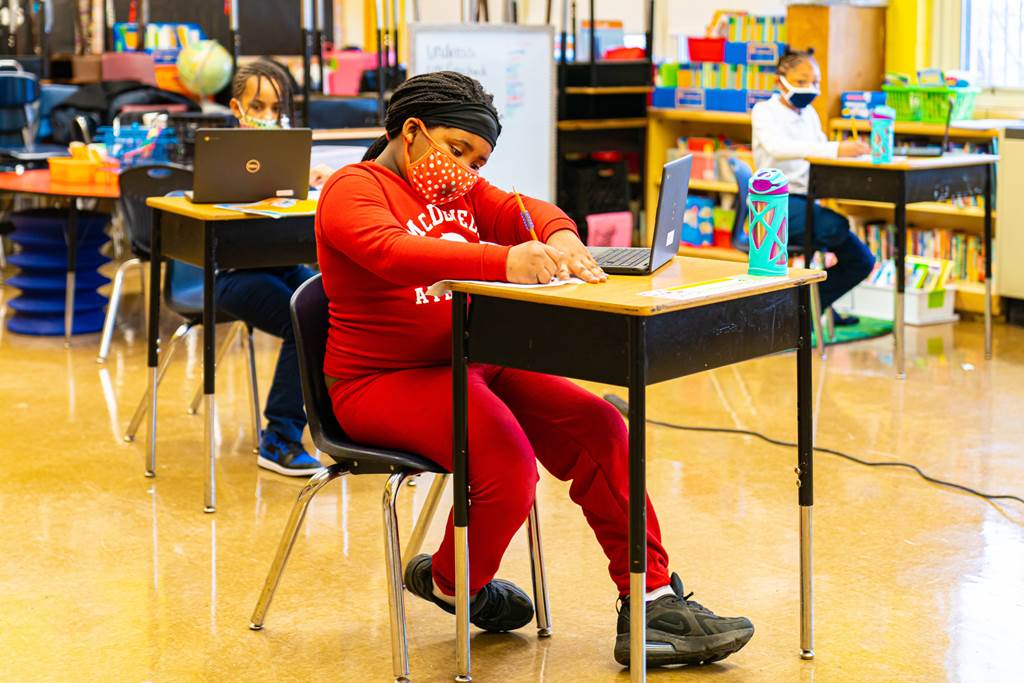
929 104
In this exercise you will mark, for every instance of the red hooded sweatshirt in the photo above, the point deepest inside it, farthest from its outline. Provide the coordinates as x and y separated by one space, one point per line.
380 246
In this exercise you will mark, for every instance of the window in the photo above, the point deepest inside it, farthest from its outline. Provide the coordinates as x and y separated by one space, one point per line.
992 41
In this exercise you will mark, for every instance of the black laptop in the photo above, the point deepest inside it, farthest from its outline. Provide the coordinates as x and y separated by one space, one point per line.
247 165
675 186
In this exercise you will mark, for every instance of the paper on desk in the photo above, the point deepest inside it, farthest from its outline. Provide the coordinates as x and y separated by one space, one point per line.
699 290
444 286
278 207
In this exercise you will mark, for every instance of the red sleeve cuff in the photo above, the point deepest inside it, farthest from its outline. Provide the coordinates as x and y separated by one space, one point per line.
493 262
556 224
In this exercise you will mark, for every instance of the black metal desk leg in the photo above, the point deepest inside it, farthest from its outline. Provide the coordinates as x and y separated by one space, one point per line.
637 501
71 238
805 472
209 365
153 336
899 256
989 169
460 489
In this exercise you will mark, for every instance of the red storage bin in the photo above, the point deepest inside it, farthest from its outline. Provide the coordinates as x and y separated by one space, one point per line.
706 49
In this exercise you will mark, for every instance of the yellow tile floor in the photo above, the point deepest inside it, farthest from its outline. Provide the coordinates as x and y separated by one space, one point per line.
109 576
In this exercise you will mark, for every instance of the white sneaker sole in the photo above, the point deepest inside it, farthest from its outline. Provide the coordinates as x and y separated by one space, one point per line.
274 467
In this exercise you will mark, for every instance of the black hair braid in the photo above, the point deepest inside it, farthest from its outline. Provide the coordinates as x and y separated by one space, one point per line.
275 74
792 58
411 98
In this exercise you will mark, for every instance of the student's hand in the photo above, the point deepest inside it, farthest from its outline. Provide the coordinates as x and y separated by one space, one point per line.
319 174
534 262
854 148
581 263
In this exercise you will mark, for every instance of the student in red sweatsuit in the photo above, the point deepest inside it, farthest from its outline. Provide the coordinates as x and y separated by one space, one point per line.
415 212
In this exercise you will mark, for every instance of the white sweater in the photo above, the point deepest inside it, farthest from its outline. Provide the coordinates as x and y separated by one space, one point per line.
784 138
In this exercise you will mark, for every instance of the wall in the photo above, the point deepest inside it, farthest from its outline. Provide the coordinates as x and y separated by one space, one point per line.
673 17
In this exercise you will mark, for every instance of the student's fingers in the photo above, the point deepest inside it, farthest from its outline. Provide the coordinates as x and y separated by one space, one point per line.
584 272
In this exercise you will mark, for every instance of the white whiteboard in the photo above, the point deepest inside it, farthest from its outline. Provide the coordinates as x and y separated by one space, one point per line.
515 64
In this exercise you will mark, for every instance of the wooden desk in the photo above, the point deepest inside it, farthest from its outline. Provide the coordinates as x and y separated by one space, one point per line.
632 340
212 238
39 183
907 181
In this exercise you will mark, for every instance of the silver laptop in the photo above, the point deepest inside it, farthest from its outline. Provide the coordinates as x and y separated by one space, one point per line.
247 165
675 186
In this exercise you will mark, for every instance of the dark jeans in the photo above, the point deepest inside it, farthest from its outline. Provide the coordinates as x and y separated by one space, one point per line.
261 298
832 233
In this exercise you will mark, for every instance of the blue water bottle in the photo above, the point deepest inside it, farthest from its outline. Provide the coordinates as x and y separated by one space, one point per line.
768 221
883 130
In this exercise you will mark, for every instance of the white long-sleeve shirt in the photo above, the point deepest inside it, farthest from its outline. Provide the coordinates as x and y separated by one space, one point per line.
784 138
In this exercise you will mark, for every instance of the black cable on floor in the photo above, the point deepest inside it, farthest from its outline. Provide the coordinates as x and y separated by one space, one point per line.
623 408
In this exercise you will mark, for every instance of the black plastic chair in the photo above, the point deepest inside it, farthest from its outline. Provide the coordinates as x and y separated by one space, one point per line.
310 324
741 241
182 286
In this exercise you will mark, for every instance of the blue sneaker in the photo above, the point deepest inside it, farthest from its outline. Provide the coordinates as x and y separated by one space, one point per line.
286 457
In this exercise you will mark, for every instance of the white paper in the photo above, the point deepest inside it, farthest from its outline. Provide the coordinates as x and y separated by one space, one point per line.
699 290
444 286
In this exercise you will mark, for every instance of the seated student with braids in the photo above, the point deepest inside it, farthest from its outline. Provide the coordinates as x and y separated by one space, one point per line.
261 97
261 297
417 211
786 130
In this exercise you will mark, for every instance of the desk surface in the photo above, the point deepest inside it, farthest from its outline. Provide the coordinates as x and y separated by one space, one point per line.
38 182
201 212
909 163
621 294
346 133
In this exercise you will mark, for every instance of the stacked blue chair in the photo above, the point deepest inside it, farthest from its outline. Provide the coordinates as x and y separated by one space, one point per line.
42 260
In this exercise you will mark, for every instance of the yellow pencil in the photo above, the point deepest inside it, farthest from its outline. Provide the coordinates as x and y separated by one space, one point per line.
527 220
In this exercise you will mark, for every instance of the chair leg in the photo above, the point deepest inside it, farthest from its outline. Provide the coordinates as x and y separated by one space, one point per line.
426 516
193 407
291 532
165 361
257 433
396 592
830 324
816 318
540 578
115 303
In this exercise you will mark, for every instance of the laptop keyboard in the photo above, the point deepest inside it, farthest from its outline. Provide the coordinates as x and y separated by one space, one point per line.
625 257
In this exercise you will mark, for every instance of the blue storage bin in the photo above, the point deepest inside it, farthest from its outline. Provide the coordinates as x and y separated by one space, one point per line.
859 103
751 52
716 99
664 97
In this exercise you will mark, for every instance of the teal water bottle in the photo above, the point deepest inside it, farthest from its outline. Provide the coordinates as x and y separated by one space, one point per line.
883 129
768 221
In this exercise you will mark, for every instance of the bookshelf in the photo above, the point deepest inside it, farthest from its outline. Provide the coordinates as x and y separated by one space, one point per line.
665 126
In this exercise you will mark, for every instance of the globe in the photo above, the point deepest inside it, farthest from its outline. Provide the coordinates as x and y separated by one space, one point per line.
204 67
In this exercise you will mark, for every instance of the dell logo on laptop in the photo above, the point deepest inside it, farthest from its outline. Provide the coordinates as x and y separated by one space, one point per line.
252 166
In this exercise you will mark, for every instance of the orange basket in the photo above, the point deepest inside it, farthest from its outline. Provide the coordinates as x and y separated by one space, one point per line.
72 171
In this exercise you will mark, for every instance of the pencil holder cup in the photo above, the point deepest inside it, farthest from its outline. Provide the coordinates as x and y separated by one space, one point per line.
768 221
883 124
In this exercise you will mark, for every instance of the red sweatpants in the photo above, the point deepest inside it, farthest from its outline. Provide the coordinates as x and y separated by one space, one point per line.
515 419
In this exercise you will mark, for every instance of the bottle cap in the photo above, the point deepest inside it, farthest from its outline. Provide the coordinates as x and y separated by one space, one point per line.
769 181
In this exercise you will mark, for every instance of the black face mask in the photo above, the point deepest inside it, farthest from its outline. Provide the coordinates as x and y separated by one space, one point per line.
798 97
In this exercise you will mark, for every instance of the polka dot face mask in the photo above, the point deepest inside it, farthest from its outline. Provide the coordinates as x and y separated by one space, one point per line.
437 176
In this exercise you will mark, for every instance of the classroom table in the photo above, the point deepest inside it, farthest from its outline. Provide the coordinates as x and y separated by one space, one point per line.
212 239
901 182
610 333
39 183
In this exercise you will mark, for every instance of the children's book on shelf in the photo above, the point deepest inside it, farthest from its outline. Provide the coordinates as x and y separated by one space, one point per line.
964 251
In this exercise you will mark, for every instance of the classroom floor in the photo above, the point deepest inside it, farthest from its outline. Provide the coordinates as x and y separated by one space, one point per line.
109 576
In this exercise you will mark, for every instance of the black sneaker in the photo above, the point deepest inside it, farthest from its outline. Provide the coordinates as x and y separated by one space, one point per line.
840 320
499 606
681 631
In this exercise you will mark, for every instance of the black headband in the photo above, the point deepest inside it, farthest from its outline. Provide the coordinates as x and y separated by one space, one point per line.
474 118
